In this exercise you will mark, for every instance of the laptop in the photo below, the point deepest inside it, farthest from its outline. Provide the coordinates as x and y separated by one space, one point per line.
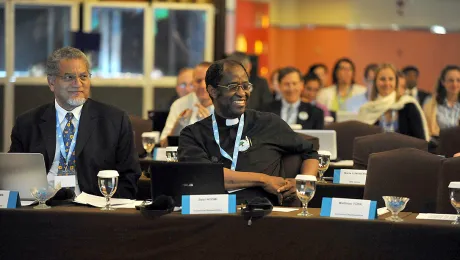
21 172
186 178
327 140
173 140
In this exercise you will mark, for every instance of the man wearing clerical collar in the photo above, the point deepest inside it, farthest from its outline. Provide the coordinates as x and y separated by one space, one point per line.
249 143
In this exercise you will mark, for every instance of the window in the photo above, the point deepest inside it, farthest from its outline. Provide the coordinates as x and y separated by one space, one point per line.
121 50
39 30
2 41
180 39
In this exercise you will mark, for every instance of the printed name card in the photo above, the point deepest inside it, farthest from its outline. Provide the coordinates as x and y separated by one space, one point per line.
209 204
348 208
9 199
350 176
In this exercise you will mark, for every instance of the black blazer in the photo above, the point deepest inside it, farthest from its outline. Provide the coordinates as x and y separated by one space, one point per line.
105 142
410 122
260 95
315 115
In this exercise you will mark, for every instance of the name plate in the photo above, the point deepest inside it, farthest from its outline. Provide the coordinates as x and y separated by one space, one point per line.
209 204
9 199
350 176
348 208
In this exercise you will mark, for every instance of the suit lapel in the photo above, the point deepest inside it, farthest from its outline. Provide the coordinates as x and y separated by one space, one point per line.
276 107
48 131
88 122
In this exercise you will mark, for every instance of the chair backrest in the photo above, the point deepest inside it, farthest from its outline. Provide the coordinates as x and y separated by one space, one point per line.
450 171
405 172
346 134
312 139
364 146
291 164
449 141
140 126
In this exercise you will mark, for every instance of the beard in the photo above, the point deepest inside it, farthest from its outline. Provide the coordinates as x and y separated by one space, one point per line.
75 102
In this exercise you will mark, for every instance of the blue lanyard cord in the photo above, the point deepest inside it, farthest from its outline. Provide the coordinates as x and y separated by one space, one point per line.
237 141
61 142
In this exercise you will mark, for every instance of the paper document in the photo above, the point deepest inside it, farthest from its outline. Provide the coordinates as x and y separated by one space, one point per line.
99 201
432 216
283 209
343 163
381 211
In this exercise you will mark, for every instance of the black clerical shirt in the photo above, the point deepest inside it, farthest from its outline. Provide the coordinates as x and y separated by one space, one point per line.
270 137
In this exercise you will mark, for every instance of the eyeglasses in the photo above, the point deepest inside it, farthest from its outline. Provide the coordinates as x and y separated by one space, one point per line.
73 77
185 85
233 87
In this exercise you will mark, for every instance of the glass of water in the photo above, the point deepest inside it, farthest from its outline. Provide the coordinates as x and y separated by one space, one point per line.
454 194
171 154
108 183
324 161
306 187
149 139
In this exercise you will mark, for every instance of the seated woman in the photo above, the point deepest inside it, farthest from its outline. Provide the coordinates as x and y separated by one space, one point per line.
336 97
443 109
390 110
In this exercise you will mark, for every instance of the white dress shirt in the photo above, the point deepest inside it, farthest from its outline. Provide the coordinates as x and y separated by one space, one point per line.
186 102
61 112
292 117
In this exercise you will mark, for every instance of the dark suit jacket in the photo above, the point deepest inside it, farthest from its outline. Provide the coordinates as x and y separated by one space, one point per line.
421 96
410 122
104 142
260 95
315 115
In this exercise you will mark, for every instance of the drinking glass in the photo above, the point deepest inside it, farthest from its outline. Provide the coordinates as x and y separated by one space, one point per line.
454 192
42 194
324 161
395 205
171 154
108 183
306 187
149 139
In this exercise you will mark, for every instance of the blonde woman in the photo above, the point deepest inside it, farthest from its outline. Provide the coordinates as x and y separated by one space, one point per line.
390 110
443 109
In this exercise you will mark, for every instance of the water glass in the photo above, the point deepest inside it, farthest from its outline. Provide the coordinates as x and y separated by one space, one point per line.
171 154
454 194
324 161
149 139
108 183
395 205
306 187
42 194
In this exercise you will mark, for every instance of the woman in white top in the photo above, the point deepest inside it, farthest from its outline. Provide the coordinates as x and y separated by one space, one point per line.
391 110
343 77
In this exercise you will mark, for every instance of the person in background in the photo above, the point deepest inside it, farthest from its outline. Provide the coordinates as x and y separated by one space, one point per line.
412 73
260 94
255 168
189 108
291 108
355 103
78 136
443 109
402 90
457 155
343 77
320 70
184 84
391 111
311 88
274 86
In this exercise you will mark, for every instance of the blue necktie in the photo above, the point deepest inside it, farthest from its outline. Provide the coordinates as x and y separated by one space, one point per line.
67 136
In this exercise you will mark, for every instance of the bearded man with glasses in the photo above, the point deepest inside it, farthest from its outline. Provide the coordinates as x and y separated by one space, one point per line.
78 136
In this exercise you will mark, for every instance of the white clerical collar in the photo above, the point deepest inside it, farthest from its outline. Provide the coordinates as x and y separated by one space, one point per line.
230 122
62 112
287 104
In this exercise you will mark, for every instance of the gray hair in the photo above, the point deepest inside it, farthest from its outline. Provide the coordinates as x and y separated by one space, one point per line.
52 63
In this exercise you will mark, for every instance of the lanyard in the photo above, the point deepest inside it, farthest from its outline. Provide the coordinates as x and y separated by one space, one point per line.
61 142
237 141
